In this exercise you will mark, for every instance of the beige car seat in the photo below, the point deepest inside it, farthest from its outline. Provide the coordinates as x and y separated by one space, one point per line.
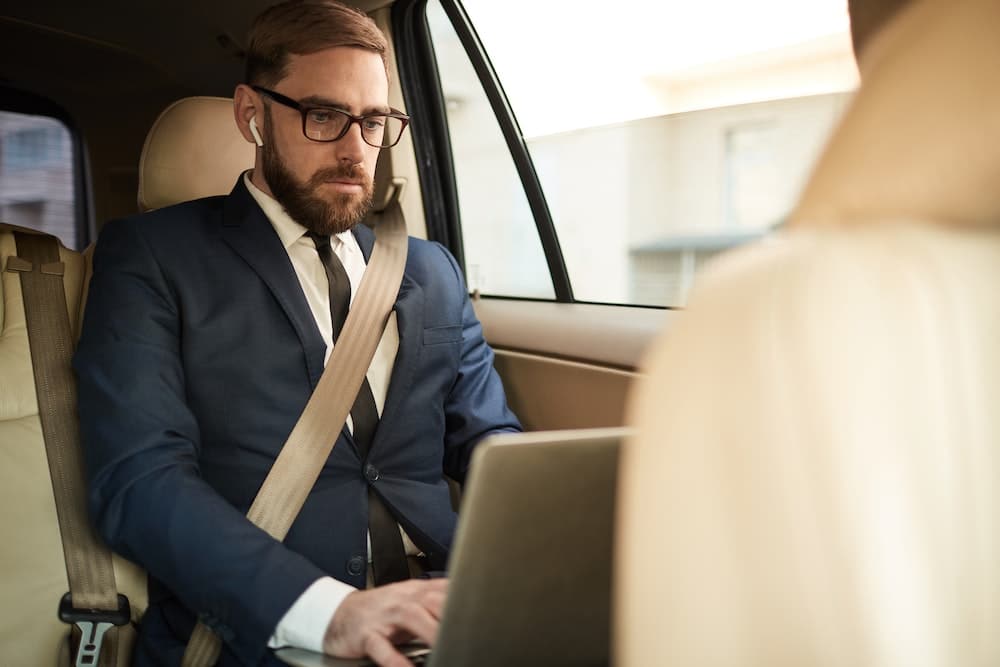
32 568
816 475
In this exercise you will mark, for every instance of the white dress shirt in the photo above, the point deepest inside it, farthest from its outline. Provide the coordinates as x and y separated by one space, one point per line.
304 624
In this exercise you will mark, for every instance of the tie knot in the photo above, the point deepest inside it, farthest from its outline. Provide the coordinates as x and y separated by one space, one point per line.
320 240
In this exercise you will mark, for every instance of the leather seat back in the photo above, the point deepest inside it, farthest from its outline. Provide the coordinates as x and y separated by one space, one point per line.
31 560
816 476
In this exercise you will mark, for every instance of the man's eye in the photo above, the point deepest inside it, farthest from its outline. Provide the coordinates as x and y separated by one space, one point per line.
374 123
320 116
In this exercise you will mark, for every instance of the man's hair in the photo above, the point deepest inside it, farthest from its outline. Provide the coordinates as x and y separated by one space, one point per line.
302 27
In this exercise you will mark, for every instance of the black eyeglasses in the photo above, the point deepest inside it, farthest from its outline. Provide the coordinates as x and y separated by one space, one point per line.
380 130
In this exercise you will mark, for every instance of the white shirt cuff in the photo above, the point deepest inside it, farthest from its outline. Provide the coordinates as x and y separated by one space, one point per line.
304 624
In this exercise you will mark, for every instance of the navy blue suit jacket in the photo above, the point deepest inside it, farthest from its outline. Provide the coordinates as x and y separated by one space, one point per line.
197 355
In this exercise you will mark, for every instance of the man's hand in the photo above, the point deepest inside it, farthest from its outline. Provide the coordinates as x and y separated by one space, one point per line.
370 622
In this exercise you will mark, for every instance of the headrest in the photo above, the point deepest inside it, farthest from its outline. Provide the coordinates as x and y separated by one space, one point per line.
193 150
921 140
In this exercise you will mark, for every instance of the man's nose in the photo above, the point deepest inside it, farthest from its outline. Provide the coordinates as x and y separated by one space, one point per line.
351 146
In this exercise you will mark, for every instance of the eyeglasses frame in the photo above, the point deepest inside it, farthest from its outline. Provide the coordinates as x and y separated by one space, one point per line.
305 109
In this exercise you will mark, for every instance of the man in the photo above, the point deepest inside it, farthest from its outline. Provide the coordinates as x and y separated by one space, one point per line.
207 329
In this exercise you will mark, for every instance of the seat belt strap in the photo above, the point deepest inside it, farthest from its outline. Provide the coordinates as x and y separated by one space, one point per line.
308 447
92 603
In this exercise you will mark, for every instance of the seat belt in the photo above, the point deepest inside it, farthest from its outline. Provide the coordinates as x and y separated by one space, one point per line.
308 447
92 604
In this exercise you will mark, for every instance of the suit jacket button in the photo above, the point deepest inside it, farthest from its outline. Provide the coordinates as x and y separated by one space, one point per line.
356 566
371 473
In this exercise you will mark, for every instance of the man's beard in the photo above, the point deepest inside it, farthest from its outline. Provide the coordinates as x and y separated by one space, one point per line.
318 215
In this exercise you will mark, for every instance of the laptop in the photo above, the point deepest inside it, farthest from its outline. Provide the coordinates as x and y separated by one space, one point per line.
530 569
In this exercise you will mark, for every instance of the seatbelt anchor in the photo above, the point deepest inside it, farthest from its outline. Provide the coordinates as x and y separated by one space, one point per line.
93 623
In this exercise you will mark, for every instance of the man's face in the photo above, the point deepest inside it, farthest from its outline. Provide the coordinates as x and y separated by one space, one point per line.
327 187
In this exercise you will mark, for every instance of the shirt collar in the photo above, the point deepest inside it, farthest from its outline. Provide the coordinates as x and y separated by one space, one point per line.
288 230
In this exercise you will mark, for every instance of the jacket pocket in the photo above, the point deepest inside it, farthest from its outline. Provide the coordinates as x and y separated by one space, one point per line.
438 335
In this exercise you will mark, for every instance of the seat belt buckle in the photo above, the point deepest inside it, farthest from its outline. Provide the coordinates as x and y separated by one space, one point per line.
93 623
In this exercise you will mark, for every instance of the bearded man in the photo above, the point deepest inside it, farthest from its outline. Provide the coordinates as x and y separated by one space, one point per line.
208 326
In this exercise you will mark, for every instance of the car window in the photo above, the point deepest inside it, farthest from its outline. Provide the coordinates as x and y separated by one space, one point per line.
37 176
660 134
503 253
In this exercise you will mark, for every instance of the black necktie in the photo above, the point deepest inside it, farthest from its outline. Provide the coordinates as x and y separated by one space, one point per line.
388 555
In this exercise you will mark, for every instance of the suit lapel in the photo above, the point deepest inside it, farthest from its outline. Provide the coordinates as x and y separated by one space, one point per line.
409 309
248 231
365 237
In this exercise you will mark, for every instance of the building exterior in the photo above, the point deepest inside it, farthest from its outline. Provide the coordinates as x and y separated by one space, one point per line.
37 175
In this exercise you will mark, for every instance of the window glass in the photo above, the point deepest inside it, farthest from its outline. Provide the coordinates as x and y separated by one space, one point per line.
503 252
37 175
663 132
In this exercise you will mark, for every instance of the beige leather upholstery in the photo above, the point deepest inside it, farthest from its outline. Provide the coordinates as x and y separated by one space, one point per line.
816 476
32 570
193 150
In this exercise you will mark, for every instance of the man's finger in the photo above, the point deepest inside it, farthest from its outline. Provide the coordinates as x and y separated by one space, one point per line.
440 584
373 620
382 652
433 602
421 586
419 621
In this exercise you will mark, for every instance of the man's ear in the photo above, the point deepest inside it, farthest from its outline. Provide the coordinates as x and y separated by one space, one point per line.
246 105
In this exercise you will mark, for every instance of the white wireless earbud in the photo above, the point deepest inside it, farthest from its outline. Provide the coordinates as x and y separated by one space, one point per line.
255 132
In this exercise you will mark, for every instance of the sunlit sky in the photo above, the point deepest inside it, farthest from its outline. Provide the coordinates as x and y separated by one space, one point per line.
567 64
